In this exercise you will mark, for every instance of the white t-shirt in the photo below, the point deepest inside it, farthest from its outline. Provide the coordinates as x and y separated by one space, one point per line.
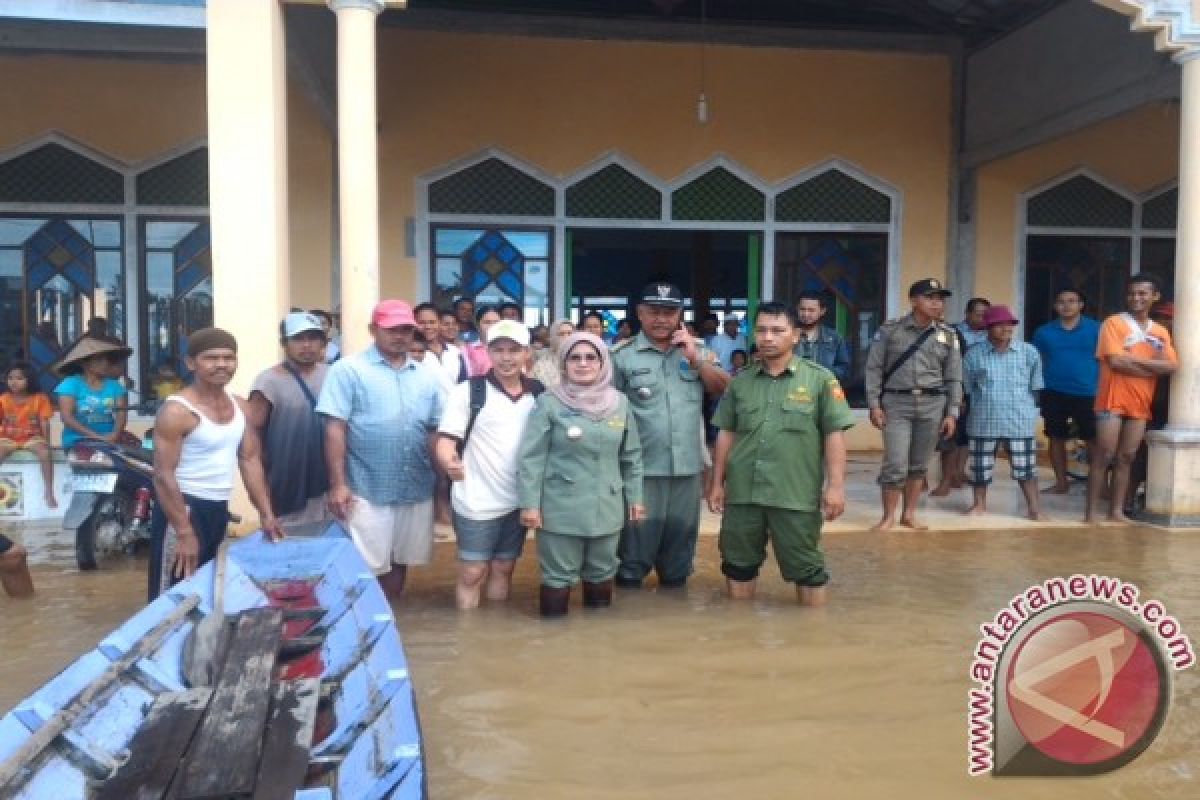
489 487
448 366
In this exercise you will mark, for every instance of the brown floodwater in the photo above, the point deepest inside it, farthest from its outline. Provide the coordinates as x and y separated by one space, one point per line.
686 695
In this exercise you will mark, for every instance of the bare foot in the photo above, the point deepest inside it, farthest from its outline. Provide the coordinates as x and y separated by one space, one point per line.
976 510
1035 515
51 502
885 524
911 522
1057 488
958 482
942 490
1118 518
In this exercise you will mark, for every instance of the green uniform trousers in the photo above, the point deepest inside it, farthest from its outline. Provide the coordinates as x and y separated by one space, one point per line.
795 538
666 540
566 558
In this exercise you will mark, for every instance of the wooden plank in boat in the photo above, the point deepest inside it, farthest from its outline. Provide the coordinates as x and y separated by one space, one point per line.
288 740
157 747
223 760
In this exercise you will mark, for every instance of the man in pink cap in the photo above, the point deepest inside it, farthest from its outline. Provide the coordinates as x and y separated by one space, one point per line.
1002 376
381 410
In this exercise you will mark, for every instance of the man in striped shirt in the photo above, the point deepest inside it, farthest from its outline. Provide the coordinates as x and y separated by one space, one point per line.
1002 378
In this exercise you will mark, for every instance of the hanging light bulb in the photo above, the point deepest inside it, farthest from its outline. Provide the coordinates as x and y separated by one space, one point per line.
702 109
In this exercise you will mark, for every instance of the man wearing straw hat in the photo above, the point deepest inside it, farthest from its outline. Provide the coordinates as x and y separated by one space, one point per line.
200 439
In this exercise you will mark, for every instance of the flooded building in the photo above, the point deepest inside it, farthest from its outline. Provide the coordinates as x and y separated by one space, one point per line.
169 164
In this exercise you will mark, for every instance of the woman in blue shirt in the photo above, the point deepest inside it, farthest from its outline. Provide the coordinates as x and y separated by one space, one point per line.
90 401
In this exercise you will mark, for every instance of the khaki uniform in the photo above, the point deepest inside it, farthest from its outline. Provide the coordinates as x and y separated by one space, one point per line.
776 471
666 396
583 474
926 389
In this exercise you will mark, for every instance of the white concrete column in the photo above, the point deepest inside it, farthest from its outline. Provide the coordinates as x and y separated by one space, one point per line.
248 197
358 167
1173 484
247 180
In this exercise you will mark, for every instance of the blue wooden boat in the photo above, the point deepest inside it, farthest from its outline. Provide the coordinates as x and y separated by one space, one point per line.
69 737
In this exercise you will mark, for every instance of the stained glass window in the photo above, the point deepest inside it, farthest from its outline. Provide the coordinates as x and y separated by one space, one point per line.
851 269
494 265
177 296
59 277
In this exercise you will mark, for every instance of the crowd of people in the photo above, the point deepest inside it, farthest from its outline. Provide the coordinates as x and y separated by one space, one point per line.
601 445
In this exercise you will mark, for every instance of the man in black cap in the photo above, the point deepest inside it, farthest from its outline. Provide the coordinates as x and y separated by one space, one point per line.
200 439
914 390
665 372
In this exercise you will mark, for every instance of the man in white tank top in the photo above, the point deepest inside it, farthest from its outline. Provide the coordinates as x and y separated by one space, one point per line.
200 439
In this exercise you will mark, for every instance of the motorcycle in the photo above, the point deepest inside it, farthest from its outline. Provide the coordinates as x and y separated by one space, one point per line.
113 498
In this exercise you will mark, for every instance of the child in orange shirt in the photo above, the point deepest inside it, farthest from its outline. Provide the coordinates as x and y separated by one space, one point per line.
24 422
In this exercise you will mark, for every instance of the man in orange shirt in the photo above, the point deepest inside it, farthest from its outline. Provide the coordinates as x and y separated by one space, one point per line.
1134 352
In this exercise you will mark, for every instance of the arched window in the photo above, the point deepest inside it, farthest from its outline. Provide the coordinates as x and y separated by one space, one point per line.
61 272
475 253
175 257
718 196
613 192
838 244
1080 234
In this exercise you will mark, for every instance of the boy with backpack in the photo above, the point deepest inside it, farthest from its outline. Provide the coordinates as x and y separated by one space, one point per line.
480 436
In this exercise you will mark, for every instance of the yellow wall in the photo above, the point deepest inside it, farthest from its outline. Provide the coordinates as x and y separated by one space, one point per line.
129 110
1137 151
136 110
310 191
560 104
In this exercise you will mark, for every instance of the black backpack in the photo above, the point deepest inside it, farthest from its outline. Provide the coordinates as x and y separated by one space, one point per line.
479 398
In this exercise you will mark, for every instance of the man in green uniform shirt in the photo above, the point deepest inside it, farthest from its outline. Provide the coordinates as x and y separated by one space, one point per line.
780 462
665 373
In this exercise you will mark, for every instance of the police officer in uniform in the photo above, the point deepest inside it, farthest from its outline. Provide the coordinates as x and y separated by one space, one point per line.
665 373
914 391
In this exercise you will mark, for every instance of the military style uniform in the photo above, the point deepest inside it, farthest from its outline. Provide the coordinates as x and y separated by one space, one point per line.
666 397
775 473
925 389
582 473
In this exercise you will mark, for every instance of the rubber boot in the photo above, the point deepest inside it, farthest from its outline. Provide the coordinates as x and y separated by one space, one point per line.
14 574
597 595
554 601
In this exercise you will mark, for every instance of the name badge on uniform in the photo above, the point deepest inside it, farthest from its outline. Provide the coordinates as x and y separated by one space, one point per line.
941 337
644 393
574 432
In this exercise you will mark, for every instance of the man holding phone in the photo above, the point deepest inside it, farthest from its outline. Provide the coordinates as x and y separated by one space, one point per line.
665 372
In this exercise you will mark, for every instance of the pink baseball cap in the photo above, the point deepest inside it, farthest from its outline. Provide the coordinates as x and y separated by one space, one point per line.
393 314
998 315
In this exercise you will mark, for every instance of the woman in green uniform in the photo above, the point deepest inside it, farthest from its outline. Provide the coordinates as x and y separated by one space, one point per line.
580 476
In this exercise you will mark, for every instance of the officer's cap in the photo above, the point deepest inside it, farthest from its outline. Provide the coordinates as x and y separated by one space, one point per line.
662 294
927 287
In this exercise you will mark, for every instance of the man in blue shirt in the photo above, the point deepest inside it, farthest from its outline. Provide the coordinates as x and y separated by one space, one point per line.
381 411
1002 377
730 339
1068 349
818 342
